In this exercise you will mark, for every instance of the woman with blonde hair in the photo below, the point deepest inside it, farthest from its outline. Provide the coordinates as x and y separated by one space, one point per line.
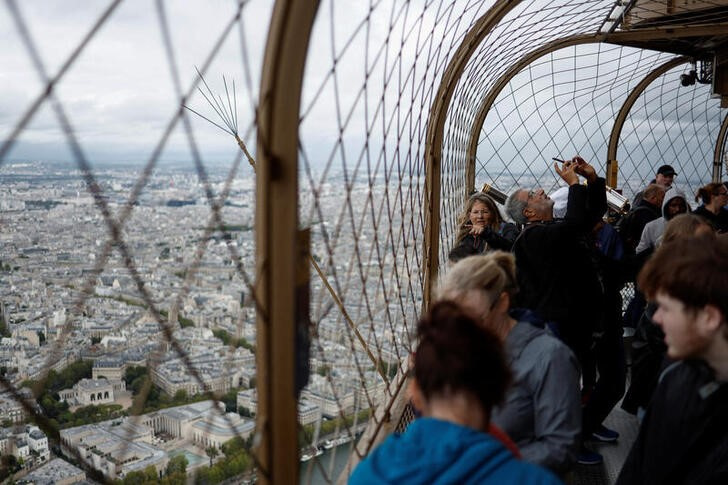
481 228
542 410
714 197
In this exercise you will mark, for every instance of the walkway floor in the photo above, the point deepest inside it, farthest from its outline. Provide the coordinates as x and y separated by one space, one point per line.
614 453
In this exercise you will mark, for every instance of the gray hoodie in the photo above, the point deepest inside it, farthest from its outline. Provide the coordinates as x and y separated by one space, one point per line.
542 409
652 233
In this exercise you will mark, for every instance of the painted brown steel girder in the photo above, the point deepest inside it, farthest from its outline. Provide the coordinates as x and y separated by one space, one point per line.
276 237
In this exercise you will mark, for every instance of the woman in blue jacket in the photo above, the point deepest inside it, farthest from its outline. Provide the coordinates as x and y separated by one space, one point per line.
460 374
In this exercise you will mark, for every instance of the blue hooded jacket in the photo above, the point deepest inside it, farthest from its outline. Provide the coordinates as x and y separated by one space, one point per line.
433 451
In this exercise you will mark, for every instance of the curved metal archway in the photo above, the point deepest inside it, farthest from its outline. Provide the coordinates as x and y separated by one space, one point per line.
500 84
434 138
620 38
624 111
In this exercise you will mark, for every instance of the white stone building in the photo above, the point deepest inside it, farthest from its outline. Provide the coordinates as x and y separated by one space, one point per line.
56 472
308 412
203 423
92 391
116 447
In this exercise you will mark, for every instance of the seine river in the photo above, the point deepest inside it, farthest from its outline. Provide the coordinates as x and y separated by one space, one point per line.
331 461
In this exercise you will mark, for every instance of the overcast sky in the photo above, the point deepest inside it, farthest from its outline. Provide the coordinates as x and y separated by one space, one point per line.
119 94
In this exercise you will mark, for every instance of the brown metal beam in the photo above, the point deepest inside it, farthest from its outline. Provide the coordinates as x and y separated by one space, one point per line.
667 33
276 224
721 146
435 133
624 111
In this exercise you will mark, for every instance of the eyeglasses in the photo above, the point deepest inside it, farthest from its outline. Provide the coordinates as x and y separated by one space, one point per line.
721 193
533 192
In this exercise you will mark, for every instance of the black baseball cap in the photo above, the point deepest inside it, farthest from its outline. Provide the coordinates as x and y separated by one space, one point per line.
666 170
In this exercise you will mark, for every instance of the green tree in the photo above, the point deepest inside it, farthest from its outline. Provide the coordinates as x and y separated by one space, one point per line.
180 396
185 322
212 452
230 399
177 464
132 372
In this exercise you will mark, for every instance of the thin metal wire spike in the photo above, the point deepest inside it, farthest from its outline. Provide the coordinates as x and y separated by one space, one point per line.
213 102
226 111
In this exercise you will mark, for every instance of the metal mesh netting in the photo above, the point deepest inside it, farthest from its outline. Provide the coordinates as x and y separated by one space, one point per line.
135 269
143 268
527 27
564 104
683 123
369 86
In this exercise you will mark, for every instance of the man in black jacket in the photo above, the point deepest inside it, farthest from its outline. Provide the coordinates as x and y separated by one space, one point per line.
647 209
683 436
556 267
557 274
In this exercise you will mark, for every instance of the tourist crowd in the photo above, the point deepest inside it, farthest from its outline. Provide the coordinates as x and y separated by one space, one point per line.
522 357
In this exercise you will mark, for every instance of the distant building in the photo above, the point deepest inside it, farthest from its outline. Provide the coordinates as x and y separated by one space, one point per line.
202 423
308 411
112 369
30 444
92 391
55 472
331 405
248 399
6 441
38 442
11 409
219 368
115 448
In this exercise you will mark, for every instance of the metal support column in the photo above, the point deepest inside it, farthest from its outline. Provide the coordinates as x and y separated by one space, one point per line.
276 224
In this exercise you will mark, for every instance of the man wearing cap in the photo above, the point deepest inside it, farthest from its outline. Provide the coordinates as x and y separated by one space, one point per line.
664 177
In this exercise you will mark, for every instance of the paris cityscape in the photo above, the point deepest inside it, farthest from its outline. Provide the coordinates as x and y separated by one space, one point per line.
94 352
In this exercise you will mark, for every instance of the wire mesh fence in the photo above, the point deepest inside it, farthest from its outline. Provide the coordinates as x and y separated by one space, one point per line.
129 292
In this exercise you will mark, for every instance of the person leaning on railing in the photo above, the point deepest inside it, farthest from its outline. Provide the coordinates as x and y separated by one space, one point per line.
482 229
460 374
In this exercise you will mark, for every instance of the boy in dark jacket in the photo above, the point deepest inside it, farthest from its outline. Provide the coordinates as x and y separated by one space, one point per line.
683 437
